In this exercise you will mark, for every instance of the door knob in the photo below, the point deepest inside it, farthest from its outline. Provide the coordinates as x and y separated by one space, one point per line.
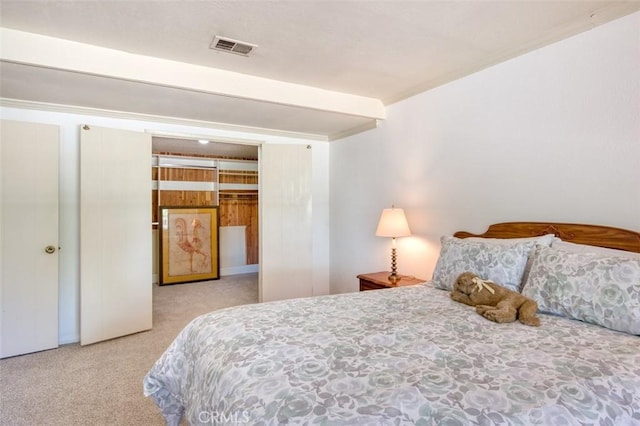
50 249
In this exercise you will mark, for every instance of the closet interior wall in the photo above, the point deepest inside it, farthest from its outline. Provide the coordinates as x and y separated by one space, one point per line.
229 183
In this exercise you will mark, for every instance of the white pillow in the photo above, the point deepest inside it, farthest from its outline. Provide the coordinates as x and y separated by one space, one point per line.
543 240
502 264
583 248
603 290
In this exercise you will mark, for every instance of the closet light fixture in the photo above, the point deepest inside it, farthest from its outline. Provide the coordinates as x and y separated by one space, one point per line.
203 141
393 223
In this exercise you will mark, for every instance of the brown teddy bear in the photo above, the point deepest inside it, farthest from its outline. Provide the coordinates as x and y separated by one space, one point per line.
494 302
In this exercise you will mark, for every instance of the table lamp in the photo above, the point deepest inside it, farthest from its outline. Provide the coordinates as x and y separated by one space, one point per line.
393 223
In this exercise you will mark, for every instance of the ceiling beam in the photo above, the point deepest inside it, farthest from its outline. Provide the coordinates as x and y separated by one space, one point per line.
49 52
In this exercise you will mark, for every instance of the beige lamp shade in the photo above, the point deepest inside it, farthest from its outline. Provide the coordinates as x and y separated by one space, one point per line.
393 223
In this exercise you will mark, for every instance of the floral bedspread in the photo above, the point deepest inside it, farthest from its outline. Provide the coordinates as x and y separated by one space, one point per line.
397 356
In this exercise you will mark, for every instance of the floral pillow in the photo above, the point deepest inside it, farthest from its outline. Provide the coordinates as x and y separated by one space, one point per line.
598 289
543 240
502 264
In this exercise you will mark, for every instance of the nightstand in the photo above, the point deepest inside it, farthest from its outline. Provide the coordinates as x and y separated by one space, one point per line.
378 280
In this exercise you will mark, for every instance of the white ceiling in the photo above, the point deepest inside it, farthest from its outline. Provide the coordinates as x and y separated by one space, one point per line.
324 65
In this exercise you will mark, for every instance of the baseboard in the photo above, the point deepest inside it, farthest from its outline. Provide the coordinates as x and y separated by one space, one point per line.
236 270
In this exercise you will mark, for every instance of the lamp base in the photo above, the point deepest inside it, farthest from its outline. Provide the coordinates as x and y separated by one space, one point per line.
394 278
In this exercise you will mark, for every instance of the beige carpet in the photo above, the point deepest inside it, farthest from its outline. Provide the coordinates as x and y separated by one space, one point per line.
101 384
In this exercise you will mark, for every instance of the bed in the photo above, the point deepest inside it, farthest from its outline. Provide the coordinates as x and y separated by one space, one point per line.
411 355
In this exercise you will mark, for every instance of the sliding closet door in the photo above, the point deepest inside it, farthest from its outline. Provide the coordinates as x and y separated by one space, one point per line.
285 198
115 233
28 237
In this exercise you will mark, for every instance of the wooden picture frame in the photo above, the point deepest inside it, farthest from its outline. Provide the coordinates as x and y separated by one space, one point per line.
189 244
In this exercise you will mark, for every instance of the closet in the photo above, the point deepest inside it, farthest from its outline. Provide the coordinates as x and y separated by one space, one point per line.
107 202
184 179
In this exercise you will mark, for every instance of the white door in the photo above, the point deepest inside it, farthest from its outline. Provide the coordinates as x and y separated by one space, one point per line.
28 225
115 233
285 199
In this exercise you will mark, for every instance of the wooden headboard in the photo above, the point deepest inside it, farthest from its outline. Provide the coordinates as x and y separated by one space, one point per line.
593 235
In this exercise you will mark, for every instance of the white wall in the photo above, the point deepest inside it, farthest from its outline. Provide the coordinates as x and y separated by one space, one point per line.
553 135
69 297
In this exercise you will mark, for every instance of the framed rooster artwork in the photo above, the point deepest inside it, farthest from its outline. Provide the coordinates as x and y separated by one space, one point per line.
189 246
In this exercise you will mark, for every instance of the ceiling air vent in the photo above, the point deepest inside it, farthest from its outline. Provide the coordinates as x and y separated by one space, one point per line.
232 46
